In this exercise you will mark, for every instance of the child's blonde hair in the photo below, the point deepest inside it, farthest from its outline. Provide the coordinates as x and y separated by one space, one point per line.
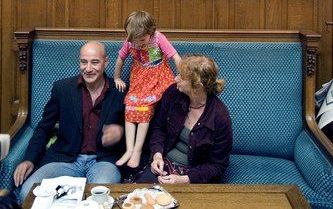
201 70
139 24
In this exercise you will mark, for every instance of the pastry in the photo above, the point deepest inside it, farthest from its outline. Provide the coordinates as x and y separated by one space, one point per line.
150 200
127 205
136 200
148 206
163 199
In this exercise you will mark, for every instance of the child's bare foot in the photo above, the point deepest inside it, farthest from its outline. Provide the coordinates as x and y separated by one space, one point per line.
135 159
124 158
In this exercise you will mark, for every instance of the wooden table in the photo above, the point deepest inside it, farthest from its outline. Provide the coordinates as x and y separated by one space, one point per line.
212 196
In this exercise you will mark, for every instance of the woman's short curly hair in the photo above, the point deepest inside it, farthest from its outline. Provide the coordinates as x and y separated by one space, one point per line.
201 70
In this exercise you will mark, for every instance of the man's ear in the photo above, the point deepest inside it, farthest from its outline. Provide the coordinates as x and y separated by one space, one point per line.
106 61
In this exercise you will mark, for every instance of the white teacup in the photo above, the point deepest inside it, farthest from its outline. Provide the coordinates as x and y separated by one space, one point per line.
100 194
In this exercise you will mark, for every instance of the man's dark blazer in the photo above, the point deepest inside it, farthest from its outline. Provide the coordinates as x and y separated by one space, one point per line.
65 107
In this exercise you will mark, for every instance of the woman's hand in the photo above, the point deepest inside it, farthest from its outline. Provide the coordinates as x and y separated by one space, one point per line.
158 164
120 84
174 179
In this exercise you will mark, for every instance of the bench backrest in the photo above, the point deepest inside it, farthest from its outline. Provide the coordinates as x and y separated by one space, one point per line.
263 90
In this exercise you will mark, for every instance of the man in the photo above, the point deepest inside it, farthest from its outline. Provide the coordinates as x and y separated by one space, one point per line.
89 110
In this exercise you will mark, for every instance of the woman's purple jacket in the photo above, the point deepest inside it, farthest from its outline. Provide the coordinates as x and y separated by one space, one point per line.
210 140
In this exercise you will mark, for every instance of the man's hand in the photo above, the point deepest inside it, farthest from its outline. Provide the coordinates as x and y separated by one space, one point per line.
111 134
22 171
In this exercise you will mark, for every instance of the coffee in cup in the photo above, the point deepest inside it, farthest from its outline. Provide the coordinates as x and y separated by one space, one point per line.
100 194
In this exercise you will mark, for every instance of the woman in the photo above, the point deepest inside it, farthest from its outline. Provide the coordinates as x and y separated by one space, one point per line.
191 134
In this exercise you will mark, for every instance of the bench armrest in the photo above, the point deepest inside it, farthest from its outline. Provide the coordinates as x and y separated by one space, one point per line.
15 156
315 165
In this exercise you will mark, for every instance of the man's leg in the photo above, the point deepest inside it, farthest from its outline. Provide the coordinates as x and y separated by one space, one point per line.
50 170
103 172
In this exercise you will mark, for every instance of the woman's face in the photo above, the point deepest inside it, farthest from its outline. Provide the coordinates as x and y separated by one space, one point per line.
183 85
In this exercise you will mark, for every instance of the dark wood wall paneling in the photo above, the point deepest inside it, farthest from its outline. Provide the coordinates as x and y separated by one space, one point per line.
0 58
179 14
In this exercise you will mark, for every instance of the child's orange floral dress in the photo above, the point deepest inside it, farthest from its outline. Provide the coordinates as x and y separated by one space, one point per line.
150 76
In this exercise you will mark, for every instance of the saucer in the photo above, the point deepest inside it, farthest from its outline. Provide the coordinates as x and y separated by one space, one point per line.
110 199
88 204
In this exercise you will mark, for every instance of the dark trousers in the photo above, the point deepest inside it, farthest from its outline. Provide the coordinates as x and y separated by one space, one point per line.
146 176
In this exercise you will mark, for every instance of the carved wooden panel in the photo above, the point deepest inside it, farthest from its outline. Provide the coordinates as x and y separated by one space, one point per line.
113 14
31 13
58 13
8 83
129 6
162 11
275 14
302 14
0 58
222 14
325 54
247 14
195 14
87 13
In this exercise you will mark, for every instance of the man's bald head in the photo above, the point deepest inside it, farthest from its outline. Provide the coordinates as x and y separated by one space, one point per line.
98 46
93 61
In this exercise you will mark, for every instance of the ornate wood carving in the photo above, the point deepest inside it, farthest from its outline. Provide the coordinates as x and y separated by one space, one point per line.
311 60
23 56
23 41
310 45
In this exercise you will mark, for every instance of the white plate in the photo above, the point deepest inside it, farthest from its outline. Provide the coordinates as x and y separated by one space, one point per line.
153 193
110 199
88 204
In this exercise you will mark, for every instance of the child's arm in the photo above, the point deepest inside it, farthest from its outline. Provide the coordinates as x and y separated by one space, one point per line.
120 84
176 58
168 50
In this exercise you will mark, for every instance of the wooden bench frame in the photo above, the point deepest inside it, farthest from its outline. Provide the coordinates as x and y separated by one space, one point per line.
309 40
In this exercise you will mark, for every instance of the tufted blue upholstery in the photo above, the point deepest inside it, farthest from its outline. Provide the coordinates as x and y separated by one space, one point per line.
315 167
250 169
264 97
260 89
62 61
264 87
14 157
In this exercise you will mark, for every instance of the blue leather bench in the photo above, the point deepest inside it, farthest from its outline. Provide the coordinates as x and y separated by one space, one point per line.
270 87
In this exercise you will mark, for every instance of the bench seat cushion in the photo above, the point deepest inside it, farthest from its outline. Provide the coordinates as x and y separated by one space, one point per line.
250 169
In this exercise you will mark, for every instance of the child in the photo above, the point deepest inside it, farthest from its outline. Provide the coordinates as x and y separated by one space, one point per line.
150 76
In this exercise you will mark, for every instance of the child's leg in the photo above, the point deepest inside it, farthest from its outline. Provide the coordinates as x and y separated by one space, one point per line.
139 141
130 137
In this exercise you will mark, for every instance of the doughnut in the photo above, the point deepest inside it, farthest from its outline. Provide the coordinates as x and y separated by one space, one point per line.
163 199
136 200
127 205
150 199
148 206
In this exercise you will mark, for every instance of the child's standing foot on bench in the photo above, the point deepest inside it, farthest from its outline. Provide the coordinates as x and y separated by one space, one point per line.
150 77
